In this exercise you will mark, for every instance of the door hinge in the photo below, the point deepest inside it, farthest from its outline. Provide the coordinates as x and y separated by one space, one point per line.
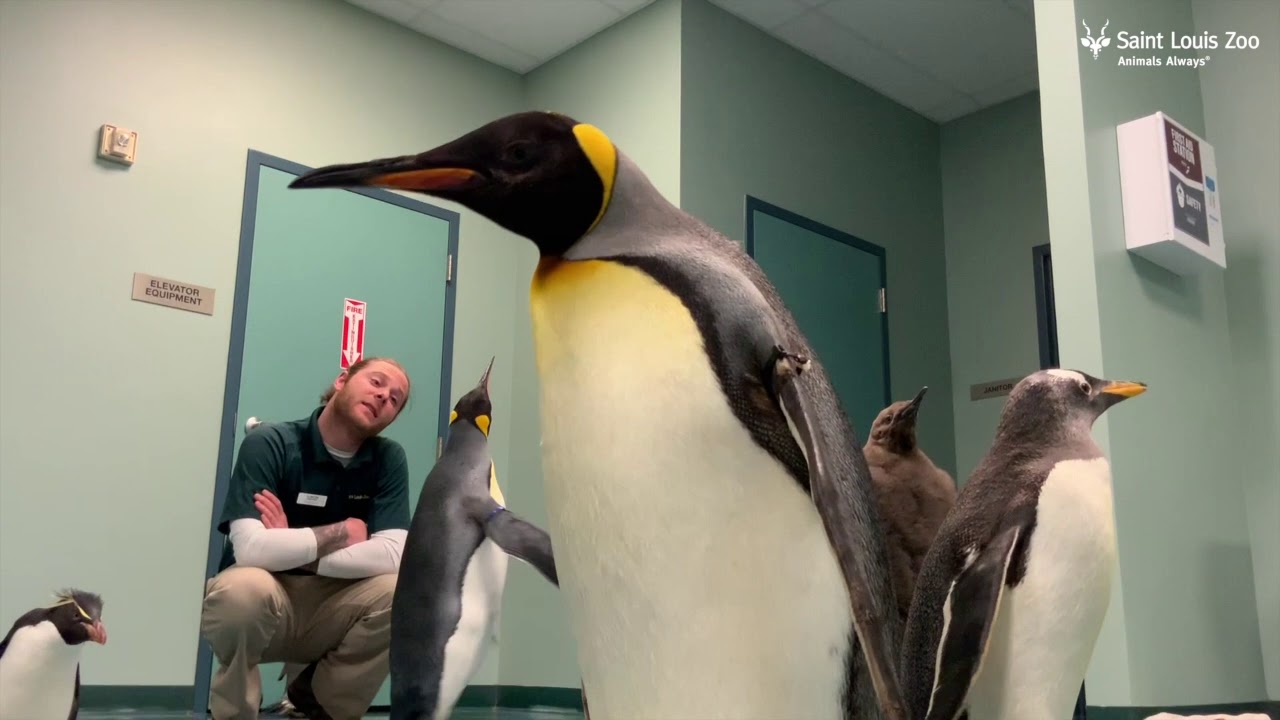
881 300
439 447
448 275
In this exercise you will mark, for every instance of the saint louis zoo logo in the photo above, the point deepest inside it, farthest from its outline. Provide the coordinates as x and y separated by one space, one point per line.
1097 44
1143 40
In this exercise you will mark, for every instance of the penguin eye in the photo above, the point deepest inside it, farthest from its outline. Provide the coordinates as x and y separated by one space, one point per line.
518 153
1084 387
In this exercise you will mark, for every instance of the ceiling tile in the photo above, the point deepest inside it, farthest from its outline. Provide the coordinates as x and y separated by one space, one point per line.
960 43
1007 88
846 52
401 11
765 14
627 6
958 106
469 40
541 29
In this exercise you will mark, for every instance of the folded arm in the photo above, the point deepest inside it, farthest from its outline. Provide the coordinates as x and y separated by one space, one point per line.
379 555
278 549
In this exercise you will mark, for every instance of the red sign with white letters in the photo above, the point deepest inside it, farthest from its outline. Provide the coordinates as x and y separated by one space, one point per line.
353 321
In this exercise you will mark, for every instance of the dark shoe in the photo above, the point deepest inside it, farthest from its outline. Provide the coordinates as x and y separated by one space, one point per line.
303 699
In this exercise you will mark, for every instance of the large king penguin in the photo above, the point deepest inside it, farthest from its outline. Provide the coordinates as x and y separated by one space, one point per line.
454 567
40 658
1013 591
717 541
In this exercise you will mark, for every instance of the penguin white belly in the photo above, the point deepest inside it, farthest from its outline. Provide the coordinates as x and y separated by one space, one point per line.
1045 632
482 588
697 574
37 674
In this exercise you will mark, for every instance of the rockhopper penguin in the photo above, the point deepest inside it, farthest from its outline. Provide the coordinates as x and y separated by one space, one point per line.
454 568
40 657
715 531
914 495
1013 592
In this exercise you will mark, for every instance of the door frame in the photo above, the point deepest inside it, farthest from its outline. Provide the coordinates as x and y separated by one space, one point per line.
256 160
1047 335
754 204
1046 309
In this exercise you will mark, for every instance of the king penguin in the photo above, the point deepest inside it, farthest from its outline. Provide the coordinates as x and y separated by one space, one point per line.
1013 592
913 494
454 567
718 545
40 657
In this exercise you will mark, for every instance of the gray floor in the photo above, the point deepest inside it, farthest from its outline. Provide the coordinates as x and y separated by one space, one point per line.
459 714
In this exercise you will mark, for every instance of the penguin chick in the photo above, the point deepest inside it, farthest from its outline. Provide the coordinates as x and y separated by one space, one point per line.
1014 590
40 657
913 494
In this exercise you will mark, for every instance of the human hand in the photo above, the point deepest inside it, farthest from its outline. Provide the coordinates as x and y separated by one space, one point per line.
271 510
357 531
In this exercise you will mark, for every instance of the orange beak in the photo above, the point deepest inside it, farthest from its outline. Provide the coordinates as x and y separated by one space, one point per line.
98 633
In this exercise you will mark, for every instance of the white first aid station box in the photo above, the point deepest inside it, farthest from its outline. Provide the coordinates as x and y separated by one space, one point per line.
1169 187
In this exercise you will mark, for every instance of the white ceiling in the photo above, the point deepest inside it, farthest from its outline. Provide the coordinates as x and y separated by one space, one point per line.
941 58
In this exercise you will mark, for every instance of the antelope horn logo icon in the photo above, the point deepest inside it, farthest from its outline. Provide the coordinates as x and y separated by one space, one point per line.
1095 45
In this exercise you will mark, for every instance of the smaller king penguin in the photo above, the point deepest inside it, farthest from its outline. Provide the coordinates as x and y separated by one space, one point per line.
1013 592
40 658
454 567
913 494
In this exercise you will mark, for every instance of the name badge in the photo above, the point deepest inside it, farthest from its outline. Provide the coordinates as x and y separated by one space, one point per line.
312 499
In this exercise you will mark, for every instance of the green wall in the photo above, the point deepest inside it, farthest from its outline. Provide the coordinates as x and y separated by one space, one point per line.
1246 139
110 406
626 80
993 201
1188 618
760 118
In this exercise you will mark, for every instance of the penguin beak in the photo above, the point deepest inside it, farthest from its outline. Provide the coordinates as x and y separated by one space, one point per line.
484 381
98 632
909 412
432 171
1120 390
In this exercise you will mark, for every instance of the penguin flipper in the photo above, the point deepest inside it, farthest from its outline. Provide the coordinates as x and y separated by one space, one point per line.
515 535
75 697
972 604
832 503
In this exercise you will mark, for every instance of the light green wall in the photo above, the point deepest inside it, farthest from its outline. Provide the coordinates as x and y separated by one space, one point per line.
626 80
760 118
110 413
1190 623
1241 92
993 202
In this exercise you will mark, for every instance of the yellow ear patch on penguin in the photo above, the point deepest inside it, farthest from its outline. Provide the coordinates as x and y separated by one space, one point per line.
82 612
482 422
604 158
453 416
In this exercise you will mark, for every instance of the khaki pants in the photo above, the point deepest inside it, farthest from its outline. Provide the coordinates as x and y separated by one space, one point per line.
253 616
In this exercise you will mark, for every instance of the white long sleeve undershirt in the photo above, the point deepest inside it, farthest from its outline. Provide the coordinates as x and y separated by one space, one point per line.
287 548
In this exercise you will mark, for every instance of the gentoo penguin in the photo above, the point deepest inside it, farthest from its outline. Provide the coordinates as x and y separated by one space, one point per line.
717 540
453 568
914 495
40 657
1013 592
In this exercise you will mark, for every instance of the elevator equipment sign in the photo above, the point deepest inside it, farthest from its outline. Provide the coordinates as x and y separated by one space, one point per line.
1171 195
1186 183
353 323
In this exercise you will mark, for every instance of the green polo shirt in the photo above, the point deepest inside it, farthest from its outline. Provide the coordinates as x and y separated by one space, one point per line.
291 461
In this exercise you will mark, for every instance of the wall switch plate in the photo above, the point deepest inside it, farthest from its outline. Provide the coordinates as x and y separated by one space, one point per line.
118 144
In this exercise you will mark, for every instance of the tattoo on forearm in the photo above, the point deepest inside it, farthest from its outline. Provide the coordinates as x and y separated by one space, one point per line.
330 538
